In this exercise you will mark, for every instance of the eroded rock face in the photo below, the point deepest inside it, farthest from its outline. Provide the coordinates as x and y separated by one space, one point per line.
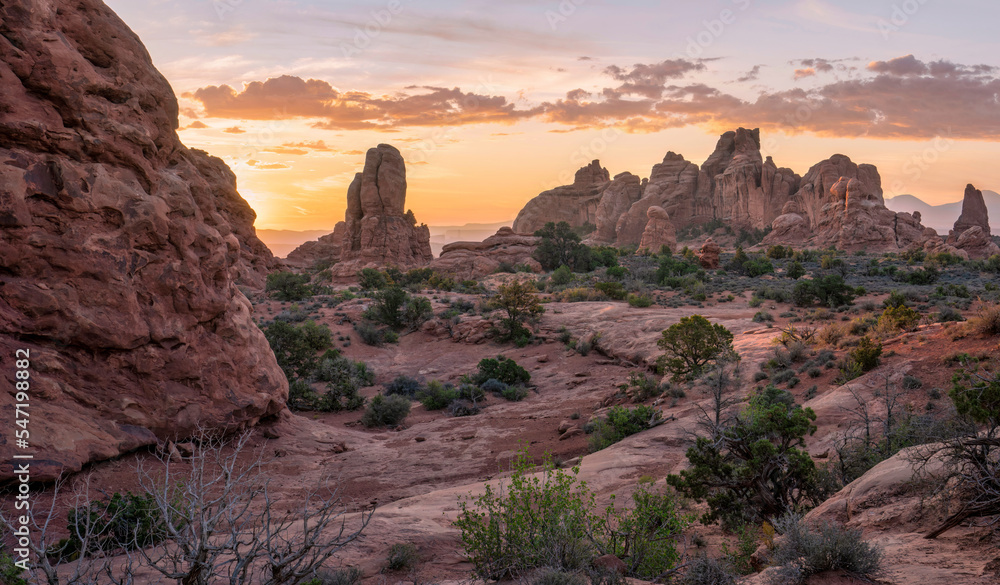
467 260
575 204
840 204
972 229
325 249
709 254
659 231
619 196
121 249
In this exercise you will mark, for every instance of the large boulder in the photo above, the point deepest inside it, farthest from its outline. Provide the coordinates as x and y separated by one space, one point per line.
468 260
659 231
972 229
121 250
575 204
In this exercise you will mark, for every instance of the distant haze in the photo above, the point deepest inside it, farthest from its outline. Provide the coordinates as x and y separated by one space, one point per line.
942 217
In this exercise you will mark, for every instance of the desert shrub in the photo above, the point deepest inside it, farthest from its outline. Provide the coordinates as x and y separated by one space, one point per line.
691 345
815 372
613 290
671 267
560 246
867 354
462 407
617 272
987 321
10 573
911 382
386 411
763 317
402 556
288 286
759 376
403 386
805 551
295 347
345 576
704 570
519 304
550 576
514 393
779 252
754 469
493 386
830 290
782 376
757 267
795 270
898 318
620 422
371 279
640 301
436 395
561 276
549 519
122 522
502 369
755 302
370 334
946 314
397 309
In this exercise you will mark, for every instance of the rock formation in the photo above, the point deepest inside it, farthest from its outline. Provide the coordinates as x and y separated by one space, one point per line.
735 185
120 248
659 231
467 260
972 229
709 254
376 231
576 204
839 203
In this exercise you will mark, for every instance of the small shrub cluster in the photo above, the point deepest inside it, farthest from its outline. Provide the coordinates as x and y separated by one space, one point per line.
804 551
620 422
386 411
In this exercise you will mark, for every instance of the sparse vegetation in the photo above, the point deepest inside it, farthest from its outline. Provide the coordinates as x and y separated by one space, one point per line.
691 345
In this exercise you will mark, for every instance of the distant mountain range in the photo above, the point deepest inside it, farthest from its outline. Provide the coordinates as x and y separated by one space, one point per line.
281 242
942 217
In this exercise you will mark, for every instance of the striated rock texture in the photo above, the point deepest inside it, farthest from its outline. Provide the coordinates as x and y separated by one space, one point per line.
616 199
709 254
972 229
120 250
659 231
467 260
576 204
839 203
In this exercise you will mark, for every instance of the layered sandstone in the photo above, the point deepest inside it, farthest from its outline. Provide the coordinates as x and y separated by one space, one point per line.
121 249
972 229
659 231
575 204
468 260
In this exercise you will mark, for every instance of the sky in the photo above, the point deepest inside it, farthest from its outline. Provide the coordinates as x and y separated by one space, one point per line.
493 102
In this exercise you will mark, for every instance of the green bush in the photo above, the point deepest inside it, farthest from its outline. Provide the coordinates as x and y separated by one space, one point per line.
830 290
10 574
691 345
397 309
763 317
370 334
756 468
901 317
617 272
403 386
436 396
502 369
549 519
371 279
613 290
640 301
561 276
560 246
620 422
514 393
867 354
345 576
704 570
519 304
288 286
295 347
122 522
386 411
343 378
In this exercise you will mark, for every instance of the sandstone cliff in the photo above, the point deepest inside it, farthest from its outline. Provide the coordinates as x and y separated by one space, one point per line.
971 234
467 260
120 249
576 204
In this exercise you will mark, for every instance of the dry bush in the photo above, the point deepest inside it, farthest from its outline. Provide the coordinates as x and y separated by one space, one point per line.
987 321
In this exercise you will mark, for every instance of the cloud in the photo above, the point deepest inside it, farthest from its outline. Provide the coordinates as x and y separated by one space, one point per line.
751 75
197 125
267 166
293 97
901 98
234 130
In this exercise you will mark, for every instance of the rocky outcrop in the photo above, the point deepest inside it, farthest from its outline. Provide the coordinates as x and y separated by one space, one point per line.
378 232
972 229
659 231
324 250
734 185
709 254
575 204
619 196
839 203
120 250
468 260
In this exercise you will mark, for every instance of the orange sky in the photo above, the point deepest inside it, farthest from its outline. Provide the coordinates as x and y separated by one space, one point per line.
492 103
